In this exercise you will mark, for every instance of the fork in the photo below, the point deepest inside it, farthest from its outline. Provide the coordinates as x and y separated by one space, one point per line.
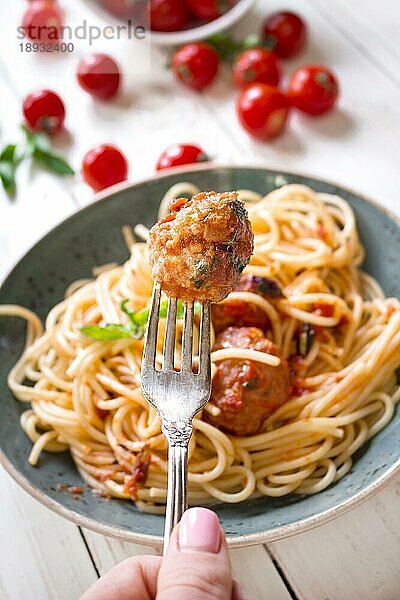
177 395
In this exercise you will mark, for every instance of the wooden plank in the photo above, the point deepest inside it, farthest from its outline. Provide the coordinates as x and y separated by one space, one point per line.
375 31
43 556
256 572
252 567
355 556
108 552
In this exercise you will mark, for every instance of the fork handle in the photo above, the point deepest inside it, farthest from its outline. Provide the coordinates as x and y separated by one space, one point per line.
178 435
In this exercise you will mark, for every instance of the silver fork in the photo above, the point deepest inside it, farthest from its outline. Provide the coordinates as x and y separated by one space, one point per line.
177 396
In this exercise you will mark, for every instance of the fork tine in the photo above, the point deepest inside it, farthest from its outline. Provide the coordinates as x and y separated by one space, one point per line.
169 339
204 350
187 338
149 354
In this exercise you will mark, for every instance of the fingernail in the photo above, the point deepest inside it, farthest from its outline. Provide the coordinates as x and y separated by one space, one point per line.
199 529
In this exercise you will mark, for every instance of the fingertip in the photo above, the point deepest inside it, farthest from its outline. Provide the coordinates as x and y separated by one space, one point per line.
200 530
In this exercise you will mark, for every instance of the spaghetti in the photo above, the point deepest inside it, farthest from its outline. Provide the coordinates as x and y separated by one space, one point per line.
86 393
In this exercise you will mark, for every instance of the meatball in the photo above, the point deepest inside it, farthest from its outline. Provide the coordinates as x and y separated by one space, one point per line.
242 313
246 391
199 250
239 313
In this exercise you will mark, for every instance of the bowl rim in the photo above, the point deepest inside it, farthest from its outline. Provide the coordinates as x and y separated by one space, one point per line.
206 29
278 533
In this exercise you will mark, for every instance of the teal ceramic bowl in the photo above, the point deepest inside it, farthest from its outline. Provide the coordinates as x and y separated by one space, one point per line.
91 237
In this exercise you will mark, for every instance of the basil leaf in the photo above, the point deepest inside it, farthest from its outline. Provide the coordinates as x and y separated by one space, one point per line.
137 318
9 161
35 141
7 176
137 322
8 153
180 308
228 48
225 45
109 332
251 41
140 317
39 149
164 309
53 162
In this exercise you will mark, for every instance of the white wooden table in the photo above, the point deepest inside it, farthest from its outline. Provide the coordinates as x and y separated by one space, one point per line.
44 557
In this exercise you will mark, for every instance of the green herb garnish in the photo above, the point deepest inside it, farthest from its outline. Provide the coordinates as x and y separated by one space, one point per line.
9 161
136 324
39 148
201 266
239 209
228 48
238 264
107 333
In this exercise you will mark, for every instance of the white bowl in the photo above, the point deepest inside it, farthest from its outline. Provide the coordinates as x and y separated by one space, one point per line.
205 30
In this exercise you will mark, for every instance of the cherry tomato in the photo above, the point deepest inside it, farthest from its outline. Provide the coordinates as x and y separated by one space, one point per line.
42 21
181 154
103 166
208 10
262 110
44 110
168 15
285 33
121 8
256 65
99 75
195 64
313 89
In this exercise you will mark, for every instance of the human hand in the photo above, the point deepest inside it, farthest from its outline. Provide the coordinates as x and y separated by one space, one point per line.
196 567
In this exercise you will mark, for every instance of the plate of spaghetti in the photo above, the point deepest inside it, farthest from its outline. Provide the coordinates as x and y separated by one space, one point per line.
302 423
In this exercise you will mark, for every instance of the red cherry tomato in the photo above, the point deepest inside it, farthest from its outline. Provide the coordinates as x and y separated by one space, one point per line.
168 15
122 8
181 154
44 110
285 33
43 21
103 166
256 65
195 64
99 75
208 10
313 89
262 110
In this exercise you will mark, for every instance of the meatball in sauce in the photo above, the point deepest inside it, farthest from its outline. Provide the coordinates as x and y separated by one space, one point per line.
247 391
199 250
241 313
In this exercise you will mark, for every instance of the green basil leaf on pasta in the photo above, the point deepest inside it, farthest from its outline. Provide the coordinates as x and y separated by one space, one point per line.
109 332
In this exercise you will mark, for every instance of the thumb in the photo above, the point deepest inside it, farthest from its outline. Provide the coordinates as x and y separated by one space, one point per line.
197 564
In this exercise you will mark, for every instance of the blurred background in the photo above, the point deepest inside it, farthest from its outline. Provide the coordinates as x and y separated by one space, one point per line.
146 92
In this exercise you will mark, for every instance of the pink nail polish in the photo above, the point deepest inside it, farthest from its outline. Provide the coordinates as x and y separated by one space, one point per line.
199 529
